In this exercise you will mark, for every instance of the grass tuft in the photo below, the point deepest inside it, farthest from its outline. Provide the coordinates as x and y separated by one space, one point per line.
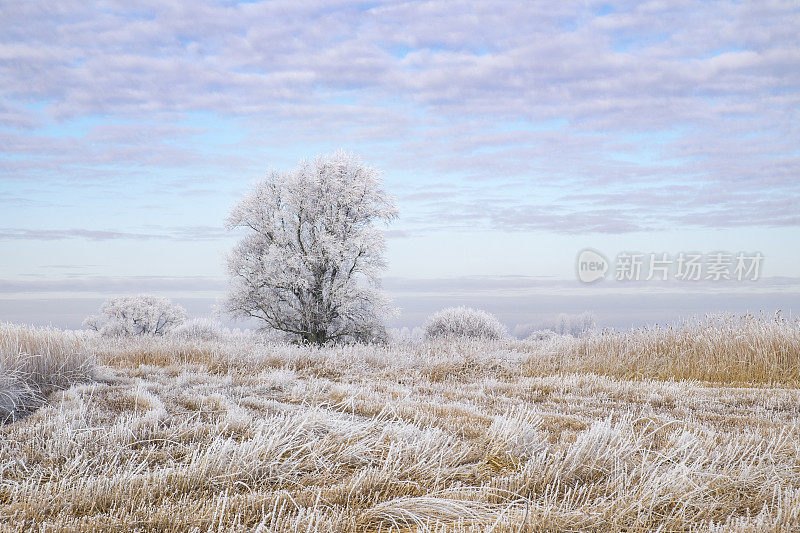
35 362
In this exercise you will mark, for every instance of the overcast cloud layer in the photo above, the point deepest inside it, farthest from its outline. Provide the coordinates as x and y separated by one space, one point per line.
632 116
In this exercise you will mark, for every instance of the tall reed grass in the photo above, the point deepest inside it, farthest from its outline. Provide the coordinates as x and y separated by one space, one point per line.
723 348
36 361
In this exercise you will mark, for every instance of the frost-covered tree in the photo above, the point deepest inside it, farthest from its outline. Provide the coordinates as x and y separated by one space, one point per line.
310 261
136 315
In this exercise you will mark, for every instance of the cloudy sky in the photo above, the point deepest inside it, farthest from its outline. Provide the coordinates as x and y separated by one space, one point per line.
513 134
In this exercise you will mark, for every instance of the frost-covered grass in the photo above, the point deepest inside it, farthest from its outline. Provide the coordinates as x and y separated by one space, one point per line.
35 362
445 435
719 348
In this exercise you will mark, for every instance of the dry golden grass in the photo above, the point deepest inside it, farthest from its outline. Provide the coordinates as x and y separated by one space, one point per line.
719 348
445 436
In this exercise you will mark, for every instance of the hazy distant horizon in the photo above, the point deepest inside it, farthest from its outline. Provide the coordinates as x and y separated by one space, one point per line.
517 305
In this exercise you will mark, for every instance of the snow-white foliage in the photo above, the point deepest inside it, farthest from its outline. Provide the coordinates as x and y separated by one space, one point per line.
464 322
562 324
310 261
199 329
142 314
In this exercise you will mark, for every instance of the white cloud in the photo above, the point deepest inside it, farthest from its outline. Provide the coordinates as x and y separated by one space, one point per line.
187 233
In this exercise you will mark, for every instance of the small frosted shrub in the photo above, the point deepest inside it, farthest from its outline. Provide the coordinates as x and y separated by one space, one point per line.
199 329
464 322
136 315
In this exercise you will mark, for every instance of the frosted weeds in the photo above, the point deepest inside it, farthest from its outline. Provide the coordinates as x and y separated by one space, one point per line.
456 435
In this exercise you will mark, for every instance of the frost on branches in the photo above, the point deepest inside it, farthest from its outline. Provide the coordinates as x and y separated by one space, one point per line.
310 261
464 322
136 315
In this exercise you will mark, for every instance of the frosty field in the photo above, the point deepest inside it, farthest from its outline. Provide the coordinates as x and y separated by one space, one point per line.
692 428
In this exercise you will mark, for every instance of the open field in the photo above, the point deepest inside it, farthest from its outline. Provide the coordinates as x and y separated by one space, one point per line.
694 428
